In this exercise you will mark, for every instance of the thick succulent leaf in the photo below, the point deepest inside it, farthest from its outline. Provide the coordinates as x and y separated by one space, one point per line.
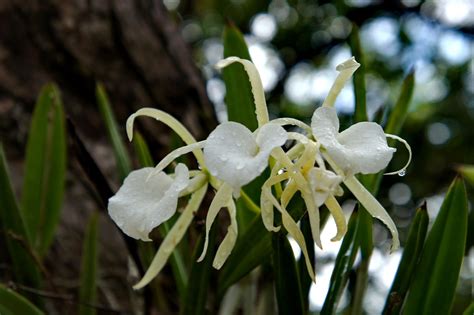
43 186
436 276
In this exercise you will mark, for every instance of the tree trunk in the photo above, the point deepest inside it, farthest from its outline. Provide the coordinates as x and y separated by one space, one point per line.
135 49
132 47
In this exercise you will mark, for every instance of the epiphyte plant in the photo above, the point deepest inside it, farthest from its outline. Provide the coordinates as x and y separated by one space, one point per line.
318 161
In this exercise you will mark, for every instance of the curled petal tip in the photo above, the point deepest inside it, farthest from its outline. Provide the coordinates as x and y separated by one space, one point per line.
129 127
225 62
349 63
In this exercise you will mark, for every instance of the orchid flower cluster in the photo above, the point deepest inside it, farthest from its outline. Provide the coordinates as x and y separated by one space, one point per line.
319 160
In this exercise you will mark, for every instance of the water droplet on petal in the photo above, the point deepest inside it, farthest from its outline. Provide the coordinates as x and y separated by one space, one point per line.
402 172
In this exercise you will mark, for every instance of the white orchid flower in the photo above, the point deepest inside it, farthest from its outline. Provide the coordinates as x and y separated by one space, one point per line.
361 148
232 156
143 202
236 156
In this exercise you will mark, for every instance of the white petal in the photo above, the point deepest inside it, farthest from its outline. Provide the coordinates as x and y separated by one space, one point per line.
143 203
271 136
229 240
362 148
232 154
346 70
168 120
325 125
373 207
221 199
322 183
366 147
173 237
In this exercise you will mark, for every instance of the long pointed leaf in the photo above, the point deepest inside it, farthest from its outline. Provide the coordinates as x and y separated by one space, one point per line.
343 265
436 275
252 249
411 255
88 288
199 279
12 303
24 267
45 167
305 279
360 113
121 155
287 285
400 110
239 98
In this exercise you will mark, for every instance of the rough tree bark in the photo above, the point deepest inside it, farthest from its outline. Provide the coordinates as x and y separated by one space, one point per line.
135 49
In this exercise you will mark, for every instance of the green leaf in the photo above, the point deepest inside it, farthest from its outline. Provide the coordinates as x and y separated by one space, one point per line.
142 150
239 97
12 303
253 248
394 125
400 110
469 310
360 113
24 266
199 279
287 285
467 172
45 167
411 255
343 265
89 265
437 273
240 107
305 279
121 155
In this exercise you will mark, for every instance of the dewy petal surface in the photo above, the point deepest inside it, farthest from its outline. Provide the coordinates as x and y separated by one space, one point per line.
143 202
236 156
362 148
367 147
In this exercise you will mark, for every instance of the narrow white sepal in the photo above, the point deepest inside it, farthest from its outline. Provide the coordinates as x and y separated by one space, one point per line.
173 237
256 84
